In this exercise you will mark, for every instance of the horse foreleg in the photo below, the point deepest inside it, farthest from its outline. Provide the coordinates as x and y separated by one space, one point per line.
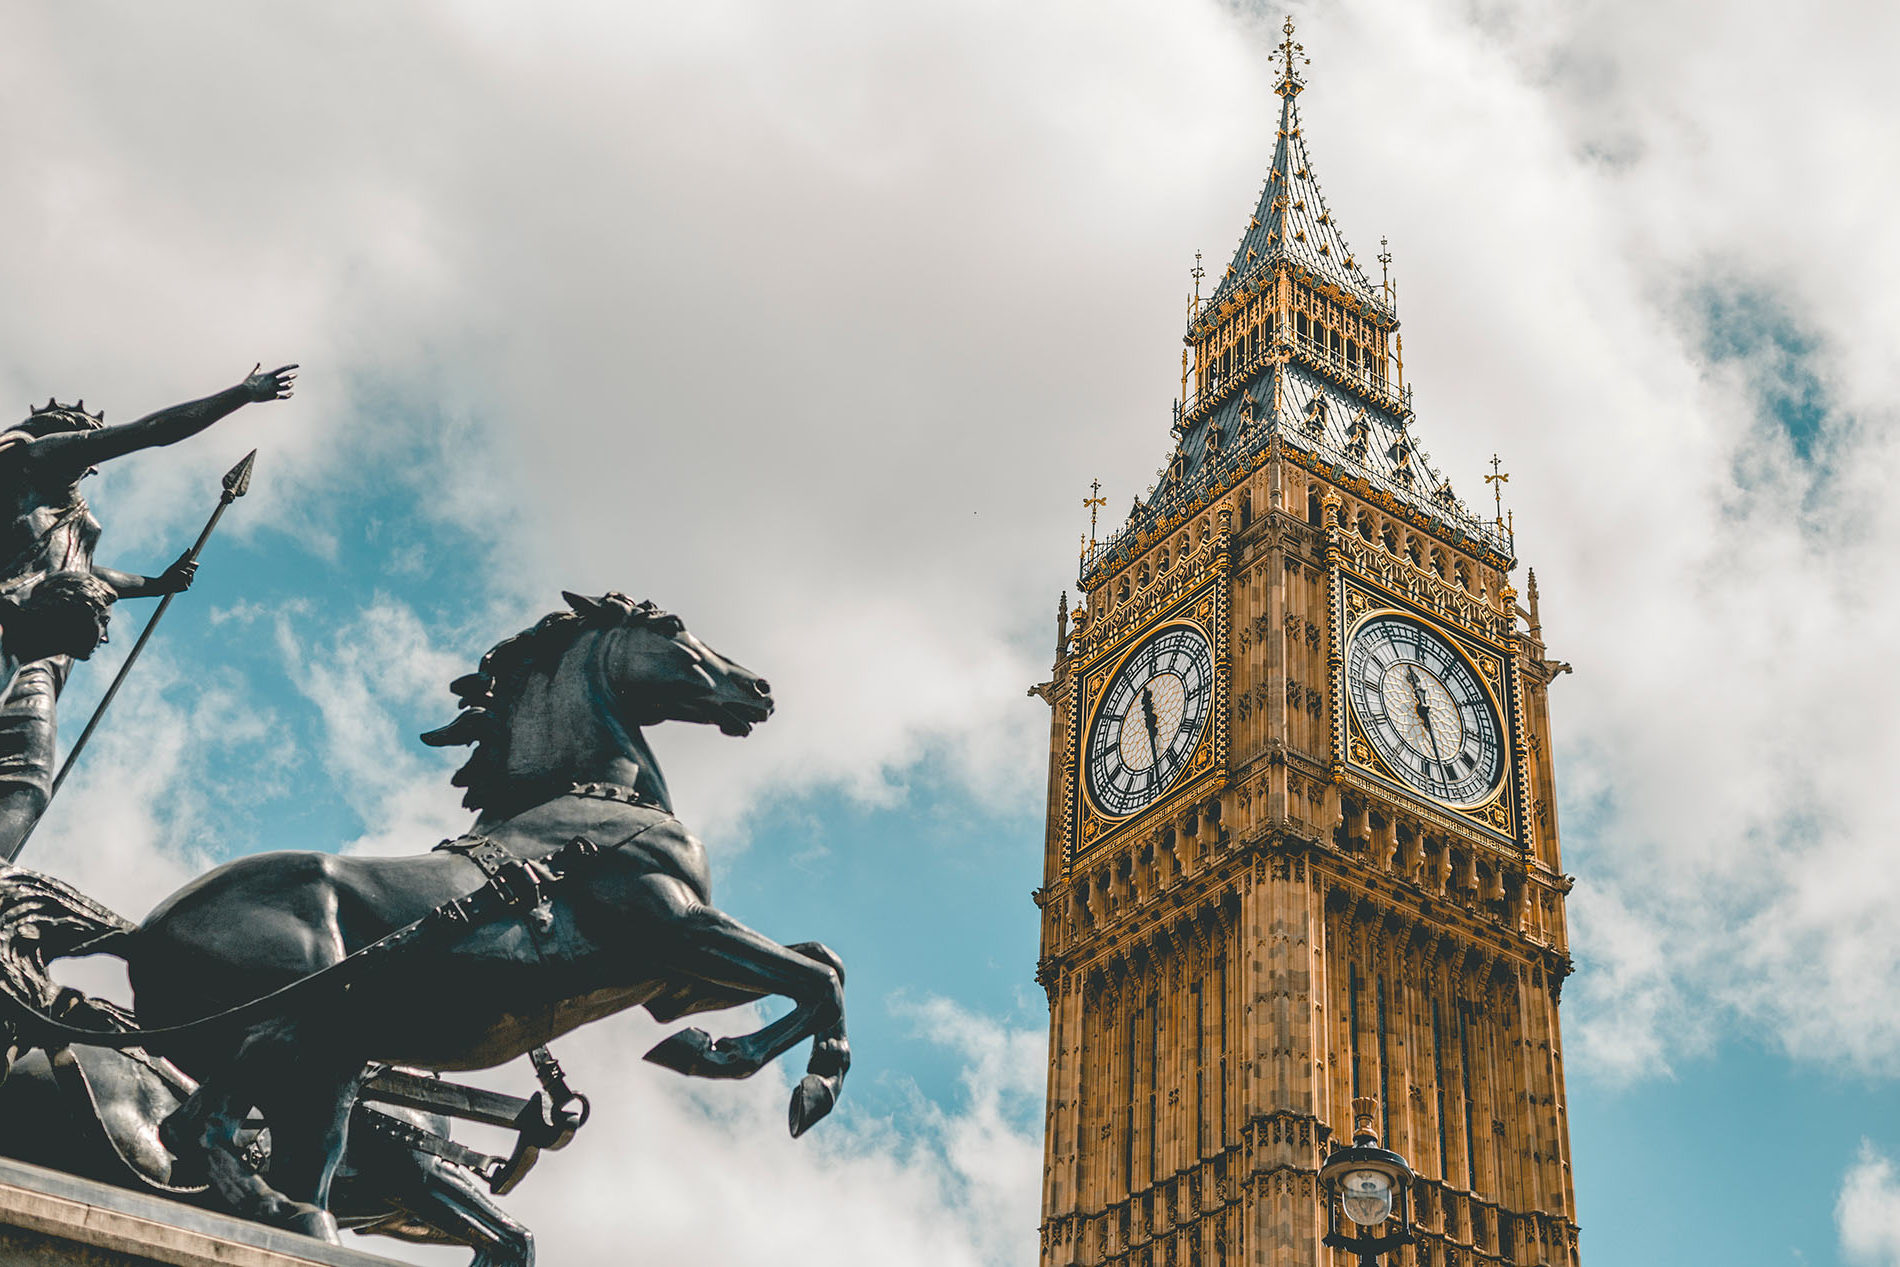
823 1083
716 949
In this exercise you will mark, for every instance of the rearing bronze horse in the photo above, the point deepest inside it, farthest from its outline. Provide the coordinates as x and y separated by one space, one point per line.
611 909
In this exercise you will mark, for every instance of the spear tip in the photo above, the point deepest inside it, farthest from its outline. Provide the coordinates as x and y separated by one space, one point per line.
237 481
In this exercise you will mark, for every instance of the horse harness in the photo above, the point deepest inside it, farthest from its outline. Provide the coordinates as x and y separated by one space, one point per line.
521 883
515 886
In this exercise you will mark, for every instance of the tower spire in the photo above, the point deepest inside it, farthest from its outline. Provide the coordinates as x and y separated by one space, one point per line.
1291 222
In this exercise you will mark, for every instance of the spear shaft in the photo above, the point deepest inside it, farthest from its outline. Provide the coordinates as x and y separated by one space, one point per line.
237 482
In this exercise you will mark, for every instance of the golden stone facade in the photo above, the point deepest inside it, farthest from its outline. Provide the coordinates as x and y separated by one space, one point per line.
1344 878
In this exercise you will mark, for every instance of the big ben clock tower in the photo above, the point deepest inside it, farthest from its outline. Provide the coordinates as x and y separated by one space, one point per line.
1302 835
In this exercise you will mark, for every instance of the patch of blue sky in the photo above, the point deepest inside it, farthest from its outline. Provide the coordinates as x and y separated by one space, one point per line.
927 898
348 543
1738 1160
1753 327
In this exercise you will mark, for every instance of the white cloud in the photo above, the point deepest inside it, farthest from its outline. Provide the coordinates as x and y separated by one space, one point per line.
142 811
1868 1210
371 677
670 1168
814 326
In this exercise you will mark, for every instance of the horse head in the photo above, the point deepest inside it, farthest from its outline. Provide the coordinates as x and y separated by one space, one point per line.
658 671
564 701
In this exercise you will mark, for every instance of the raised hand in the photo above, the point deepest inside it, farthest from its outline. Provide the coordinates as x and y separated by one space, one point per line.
177 578
274 385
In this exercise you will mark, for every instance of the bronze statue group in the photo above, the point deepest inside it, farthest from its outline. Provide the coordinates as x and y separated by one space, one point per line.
293 1012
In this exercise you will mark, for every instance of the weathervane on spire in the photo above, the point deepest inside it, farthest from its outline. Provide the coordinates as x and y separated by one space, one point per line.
1385 268
1290 81
1197 272
1094 502
1497 480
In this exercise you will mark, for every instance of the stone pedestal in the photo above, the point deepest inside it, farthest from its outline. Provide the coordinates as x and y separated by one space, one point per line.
50 1219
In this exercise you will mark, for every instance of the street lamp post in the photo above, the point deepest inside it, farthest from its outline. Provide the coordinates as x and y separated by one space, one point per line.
1368 1184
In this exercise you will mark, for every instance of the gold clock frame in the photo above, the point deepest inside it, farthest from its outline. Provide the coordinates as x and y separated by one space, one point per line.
1205 610
1497 814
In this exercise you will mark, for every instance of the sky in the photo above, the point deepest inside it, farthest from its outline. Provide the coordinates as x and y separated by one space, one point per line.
813 323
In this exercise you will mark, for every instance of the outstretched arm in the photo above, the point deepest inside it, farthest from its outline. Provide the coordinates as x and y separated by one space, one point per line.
78 450
175 579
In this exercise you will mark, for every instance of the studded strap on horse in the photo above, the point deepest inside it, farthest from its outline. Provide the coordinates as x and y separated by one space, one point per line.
519 882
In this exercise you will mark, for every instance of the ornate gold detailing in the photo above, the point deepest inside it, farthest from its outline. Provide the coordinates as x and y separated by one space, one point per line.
1289 51
1207 609
1418 583
1094 501
1126 614
1496 813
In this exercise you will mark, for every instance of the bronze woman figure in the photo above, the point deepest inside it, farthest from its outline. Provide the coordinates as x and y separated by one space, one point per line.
46 527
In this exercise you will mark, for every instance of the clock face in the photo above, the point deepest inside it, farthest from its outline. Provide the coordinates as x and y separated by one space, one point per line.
1422 708
1150 718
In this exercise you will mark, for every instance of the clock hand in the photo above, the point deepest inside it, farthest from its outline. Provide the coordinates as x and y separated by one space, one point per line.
1424 711
1154 729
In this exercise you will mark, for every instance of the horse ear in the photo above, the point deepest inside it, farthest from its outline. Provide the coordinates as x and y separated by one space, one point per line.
469 686
473 726
581 603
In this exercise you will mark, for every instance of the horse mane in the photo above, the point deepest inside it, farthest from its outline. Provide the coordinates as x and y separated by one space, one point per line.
488 695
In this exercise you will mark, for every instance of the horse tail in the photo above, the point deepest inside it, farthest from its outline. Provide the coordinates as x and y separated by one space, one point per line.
43 919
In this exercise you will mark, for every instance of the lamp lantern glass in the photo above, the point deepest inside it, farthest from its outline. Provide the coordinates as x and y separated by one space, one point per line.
1366 1196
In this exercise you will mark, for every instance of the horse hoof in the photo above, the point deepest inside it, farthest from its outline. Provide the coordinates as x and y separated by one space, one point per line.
308 1220
810 1102
686 1052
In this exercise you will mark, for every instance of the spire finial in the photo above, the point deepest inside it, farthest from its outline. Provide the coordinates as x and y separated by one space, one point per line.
1289 51
1385 268
1497 480
1095 501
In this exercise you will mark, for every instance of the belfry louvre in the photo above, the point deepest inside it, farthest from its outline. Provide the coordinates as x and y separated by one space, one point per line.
1302 837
